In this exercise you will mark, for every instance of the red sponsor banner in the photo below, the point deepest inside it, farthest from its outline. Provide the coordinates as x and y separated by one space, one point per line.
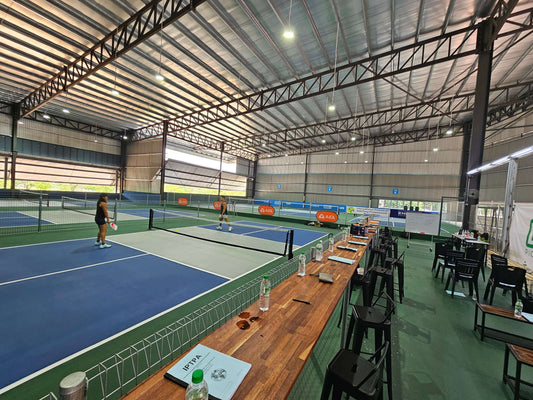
266 210
182 201
217 205
326 216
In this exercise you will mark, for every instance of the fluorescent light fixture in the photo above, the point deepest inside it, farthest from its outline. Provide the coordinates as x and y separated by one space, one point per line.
21 122
331 107
435 149
426 160
159 77
449 131
500 161
353 138
115 92
336 153
288 33
366 161
286 155
522 153
323 140
361 152
46 116
345 162
66 110
125 137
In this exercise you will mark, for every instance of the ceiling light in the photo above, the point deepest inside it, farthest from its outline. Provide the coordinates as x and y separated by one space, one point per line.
95 140
435 149
66 110
46 116
353 138
21 122
361 152
286 155
288 34
449 131
159 77
366 161
268 155
336 153
331 107
323 140
301 162
345 162
125 137
263 144
425 160
115 92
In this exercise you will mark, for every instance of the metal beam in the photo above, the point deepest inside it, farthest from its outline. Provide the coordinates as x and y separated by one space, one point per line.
152 18
381 140
463 103
408 58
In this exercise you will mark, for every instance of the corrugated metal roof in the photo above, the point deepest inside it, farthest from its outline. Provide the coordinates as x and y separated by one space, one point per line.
225 50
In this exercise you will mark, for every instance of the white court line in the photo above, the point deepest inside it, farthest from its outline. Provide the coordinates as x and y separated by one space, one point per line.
70 270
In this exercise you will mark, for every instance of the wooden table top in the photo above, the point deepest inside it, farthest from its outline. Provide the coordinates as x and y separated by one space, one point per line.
522 354
277 344
502 312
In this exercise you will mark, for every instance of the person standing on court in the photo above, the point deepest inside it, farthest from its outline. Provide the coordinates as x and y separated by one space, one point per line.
101 218
223 213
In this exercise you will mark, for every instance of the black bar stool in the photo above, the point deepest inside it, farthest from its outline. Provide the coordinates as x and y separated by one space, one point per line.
373 317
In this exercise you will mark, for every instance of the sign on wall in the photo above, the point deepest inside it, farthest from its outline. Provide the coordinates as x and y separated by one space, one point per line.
521 235
330 188
326 216
395 191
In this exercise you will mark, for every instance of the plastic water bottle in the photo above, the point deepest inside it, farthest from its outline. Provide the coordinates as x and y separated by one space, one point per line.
319 249
264 294
330 240
518 308
197 389
301 264
344 234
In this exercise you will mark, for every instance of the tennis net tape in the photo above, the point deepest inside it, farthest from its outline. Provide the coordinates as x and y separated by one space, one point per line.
246 235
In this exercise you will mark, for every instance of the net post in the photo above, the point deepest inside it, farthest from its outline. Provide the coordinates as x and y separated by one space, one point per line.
291 240
115 210
151 219
40 218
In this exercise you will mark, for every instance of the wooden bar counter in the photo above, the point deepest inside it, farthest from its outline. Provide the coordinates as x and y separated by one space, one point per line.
278 343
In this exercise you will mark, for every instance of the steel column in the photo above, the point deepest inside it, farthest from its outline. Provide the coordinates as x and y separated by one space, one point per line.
15 115
163 162
479 120
220 168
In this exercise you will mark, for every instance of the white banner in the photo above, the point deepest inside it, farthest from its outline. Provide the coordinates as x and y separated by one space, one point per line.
521 235
382 212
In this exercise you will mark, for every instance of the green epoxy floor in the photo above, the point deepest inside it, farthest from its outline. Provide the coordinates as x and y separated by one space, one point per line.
437 353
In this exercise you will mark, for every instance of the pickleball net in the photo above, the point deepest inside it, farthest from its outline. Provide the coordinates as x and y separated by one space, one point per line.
87 206
248 235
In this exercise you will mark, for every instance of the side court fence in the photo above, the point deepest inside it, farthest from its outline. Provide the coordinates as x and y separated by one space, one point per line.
28 212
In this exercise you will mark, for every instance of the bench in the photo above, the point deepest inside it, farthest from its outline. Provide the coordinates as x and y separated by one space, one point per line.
522 356
497 334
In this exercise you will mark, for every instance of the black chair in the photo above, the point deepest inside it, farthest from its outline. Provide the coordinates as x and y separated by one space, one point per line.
377 318
354 375
508 278
465 271
477 253
441 248
449 262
